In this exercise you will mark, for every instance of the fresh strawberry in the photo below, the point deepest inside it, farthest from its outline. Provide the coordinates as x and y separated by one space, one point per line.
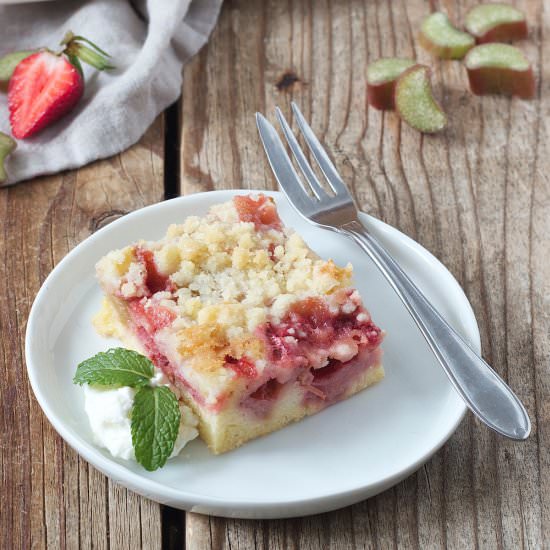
43 88
46 85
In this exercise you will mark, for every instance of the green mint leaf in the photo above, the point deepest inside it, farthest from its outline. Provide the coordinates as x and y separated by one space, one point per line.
116 367
155 424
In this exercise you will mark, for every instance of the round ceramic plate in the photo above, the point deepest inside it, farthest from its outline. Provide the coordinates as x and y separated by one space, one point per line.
346 453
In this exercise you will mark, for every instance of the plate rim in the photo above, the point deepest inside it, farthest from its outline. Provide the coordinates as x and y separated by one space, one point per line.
196 502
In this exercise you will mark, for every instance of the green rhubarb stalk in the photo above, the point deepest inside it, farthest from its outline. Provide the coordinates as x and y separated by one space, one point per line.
7 146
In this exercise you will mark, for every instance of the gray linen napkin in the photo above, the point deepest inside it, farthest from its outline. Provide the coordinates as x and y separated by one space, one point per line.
119 105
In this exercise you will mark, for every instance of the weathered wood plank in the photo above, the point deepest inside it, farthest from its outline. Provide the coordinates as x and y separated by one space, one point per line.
475 196
56 499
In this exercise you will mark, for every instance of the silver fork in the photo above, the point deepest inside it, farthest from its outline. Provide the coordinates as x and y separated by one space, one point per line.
485 393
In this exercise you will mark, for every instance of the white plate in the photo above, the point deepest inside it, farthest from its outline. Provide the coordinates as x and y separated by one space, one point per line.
348 452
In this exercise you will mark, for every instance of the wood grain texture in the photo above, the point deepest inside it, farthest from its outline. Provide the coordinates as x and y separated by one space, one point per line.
51 498
477 196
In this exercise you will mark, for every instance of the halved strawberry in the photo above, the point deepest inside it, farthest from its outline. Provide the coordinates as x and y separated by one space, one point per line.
43 87
46 85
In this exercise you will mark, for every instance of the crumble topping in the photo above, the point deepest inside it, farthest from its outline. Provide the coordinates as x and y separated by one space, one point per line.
218 269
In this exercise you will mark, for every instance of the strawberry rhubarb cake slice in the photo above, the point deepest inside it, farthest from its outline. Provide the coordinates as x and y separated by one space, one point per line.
253 329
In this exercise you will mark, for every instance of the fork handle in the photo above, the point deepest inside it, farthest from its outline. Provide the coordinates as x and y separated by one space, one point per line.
485 393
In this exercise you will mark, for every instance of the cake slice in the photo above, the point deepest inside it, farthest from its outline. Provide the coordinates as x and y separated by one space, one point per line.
251 326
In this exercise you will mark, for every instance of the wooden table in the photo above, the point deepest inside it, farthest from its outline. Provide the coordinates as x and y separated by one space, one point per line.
477 196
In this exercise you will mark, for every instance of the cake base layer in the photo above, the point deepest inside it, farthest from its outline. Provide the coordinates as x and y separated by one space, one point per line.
228 430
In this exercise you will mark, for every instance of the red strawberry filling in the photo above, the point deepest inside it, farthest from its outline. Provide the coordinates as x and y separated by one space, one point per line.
261 401
160 360
146 321
330 383
261 211
324 352
268 391
155 281
151 317
310 333
243 366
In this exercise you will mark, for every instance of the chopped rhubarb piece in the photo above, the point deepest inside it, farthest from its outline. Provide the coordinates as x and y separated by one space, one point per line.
442 39
261 211
381 77
7 145
500 69
9 61
496 23
415 103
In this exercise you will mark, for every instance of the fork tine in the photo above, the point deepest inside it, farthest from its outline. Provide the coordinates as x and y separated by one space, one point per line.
328 169
310 176
282 167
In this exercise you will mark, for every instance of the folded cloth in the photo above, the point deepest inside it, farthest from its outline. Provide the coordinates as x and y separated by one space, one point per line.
149 42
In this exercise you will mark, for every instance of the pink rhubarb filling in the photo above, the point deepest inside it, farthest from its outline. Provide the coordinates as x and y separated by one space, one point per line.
322 351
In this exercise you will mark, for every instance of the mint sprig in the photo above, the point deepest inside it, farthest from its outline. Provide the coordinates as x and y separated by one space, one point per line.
155 422
155 415
115 368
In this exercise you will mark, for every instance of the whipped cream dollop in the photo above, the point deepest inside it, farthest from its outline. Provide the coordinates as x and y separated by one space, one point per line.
109 410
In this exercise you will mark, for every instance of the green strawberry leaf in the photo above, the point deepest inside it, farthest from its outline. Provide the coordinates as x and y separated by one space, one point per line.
115 368
155 424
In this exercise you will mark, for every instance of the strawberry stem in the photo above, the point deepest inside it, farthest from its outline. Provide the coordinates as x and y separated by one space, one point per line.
95 46
75 62
94 56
